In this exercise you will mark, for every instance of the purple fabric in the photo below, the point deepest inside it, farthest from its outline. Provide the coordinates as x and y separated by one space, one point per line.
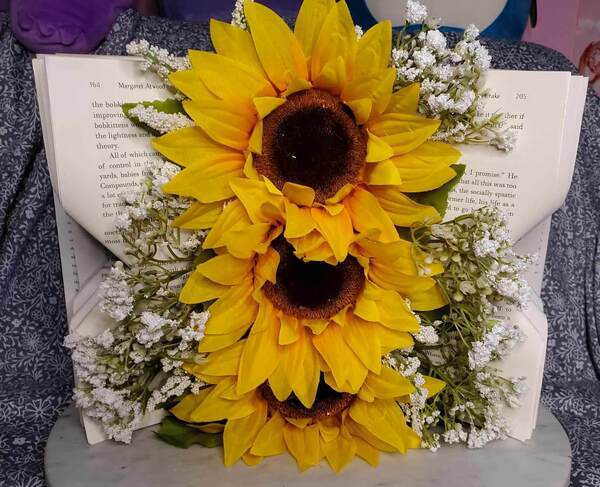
72 26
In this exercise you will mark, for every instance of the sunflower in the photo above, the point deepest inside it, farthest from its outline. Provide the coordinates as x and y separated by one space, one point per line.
338 426
302 319
310 116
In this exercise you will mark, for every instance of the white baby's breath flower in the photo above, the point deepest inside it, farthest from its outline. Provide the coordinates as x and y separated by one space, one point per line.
416 12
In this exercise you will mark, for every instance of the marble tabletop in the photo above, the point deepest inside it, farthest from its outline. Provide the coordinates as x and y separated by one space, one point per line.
543 461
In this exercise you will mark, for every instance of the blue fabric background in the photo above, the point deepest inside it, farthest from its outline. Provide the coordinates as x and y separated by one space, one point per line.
35 371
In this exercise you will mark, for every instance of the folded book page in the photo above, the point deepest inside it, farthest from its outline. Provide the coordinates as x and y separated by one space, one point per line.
95 154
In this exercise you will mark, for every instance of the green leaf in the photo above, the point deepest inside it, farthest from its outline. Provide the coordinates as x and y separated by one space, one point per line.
179 434
438 198
435 314
170 105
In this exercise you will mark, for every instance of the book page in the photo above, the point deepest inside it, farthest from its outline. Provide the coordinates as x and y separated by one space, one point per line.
523 182
99 154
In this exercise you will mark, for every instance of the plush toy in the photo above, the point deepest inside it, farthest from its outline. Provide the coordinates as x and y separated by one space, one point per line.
74 26
495 18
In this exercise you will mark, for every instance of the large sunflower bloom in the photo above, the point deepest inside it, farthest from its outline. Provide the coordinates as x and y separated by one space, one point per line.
338 427
310 114
303 319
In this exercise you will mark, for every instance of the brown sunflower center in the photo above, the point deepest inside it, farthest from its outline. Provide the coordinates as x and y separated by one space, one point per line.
313 290
327 403
313 140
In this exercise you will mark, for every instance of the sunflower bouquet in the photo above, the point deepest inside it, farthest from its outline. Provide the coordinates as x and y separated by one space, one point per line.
290 284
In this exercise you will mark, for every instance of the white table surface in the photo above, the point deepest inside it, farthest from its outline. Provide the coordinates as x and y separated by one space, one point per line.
543 461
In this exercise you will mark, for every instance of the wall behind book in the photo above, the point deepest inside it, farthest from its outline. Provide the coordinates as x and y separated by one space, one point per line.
573 28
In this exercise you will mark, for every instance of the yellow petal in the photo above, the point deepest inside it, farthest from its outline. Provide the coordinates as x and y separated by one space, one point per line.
261 353
239 434
278 49
302 368
199 216
266 267
225 269
377 88
377 149
299 194
225 122
270 438
383 173
343 362
266 104
433 385
206 183
228 78
426 167
249 170
361 109
279 384
403 132
222 363
290 329
310 21
405 100
337 39
210 406
433 298
312 247
367 215
367 452
384 420
255 141
303 444
336 230
244 243
189 83
339 452
299 221
191 145
333 77
253 195
251 460
234 217
373 52
401 209
199 289
211 343
389 384
235 43
233 310
296 85
362 338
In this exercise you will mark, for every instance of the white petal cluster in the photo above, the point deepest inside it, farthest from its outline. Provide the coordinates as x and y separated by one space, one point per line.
238 18
427 335
135 366
157 59
495 344
416 12
160 121
115 294
450 79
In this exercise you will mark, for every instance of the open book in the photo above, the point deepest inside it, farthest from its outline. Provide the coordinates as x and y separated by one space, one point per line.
94 154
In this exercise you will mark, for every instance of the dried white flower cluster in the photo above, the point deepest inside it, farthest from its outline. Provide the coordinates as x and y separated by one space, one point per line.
477 251
450 80
238 18
135 367
157 60
160 121
459 343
